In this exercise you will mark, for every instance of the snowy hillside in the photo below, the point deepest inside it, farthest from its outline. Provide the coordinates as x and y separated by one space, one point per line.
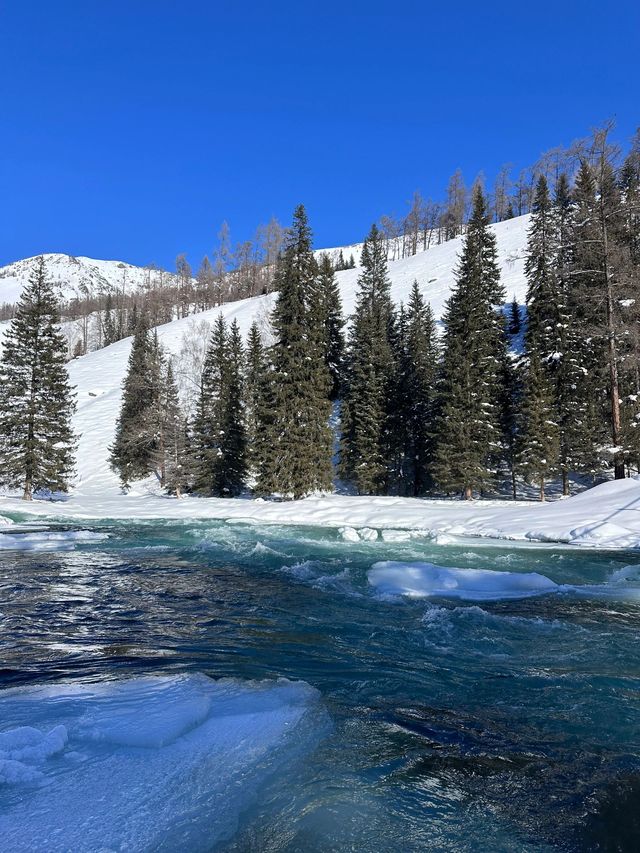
77 277
98 376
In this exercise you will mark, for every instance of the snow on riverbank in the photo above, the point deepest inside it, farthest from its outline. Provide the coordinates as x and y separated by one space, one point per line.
166 762
607 516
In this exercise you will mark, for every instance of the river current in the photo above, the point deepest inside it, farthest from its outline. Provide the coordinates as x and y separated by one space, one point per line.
506 725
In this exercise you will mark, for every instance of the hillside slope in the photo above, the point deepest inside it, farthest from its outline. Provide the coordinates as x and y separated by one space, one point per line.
77 276
98 376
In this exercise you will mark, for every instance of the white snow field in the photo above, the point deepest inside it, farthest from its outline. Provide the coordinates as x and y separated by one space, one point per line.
144 764
77 276
607 516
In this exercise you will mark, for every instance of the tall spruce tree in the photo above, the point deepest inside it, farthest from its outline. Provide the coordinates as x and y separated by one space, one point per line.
367 400
231 462
421 362
544 298
469 435
297 430
593 311
133 452
207 425
330 323
175 438
539 444
256 388
37 443
576 401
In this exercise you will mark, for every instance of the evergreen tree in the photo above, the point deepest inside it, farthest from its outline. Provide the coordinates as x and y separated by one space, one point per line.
469 435
133 452
175 438
421 360
297 430
515 322
207 424
592 306
256 384
367 398
109 330
544 298
231 464
37 444
330 322
539 440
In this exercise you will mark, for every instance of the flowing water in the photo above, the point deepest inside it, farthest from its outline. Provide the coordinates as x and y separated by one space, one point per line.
508 725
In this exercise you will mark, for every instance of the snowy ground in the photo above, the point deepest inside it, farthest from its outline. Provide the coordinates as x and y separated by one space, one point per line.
607 516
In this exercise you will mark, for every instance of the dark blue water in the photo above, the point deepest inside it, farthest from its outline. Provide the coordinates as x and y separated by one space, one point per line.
510 726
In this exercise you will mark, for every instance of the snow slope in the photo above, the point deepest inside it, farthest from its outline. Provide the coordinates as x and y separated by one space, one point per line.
98 376
606 516
78 276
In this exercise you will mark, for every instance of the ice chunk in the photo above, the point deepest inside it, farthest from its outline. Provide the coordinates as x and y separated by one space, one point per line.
62 540
349 534
396 535
426 580
368 534
153 763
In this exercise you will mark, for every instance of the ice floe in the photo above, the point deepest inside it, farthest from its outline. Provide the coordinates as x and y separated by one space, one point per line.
62 540
151 763
426 580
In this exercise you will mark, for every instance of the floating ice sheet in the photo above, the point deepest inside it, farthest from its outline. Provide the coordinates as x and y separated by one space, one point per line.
426 580
157 763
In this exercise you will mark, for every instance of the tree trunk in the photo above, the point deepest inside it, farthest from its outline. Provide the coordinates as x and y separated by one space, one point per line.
468 494
27 496
542 489
565 482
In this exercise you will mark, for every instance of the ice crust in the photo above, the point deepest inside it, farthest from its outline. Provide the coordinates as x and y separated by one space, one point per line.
63 540
426 580
154 763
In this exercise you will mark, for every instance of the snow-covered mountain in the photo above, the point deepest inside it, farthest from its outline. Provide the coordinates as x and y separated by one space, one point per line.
78 277
98 376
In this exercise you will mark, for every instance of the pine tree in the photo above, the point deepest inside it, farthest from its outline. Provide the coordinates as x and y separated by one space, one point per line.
175 435
231 464
133 452
370 372
207 424
544 298
256 382
37 443
297 429
539 444
592 310
109 331
328 306
515 322
469 435
421 367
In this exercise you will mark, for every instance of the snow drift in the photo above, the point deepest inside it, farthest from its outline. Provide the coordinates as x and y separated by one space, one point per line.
156 763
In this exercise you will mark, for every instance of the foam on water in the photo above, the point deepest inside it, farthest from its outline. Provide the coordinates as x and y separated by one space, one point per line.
152 763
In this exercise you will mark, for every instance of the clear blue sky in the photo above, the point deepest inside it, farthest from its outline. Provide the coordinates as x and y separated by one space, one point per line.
131 128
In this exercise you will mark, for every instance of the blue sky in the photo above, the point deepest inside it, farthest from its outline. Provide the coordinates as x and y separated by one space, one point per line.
132 129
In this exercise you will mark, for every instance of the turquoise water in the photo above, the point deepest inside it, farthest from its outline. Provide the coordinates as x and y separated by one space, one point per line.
514 725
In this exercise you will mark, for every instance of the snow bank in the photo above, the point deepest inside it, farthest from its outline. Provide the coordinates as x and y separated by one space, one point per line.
64 540
426 580
152 763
